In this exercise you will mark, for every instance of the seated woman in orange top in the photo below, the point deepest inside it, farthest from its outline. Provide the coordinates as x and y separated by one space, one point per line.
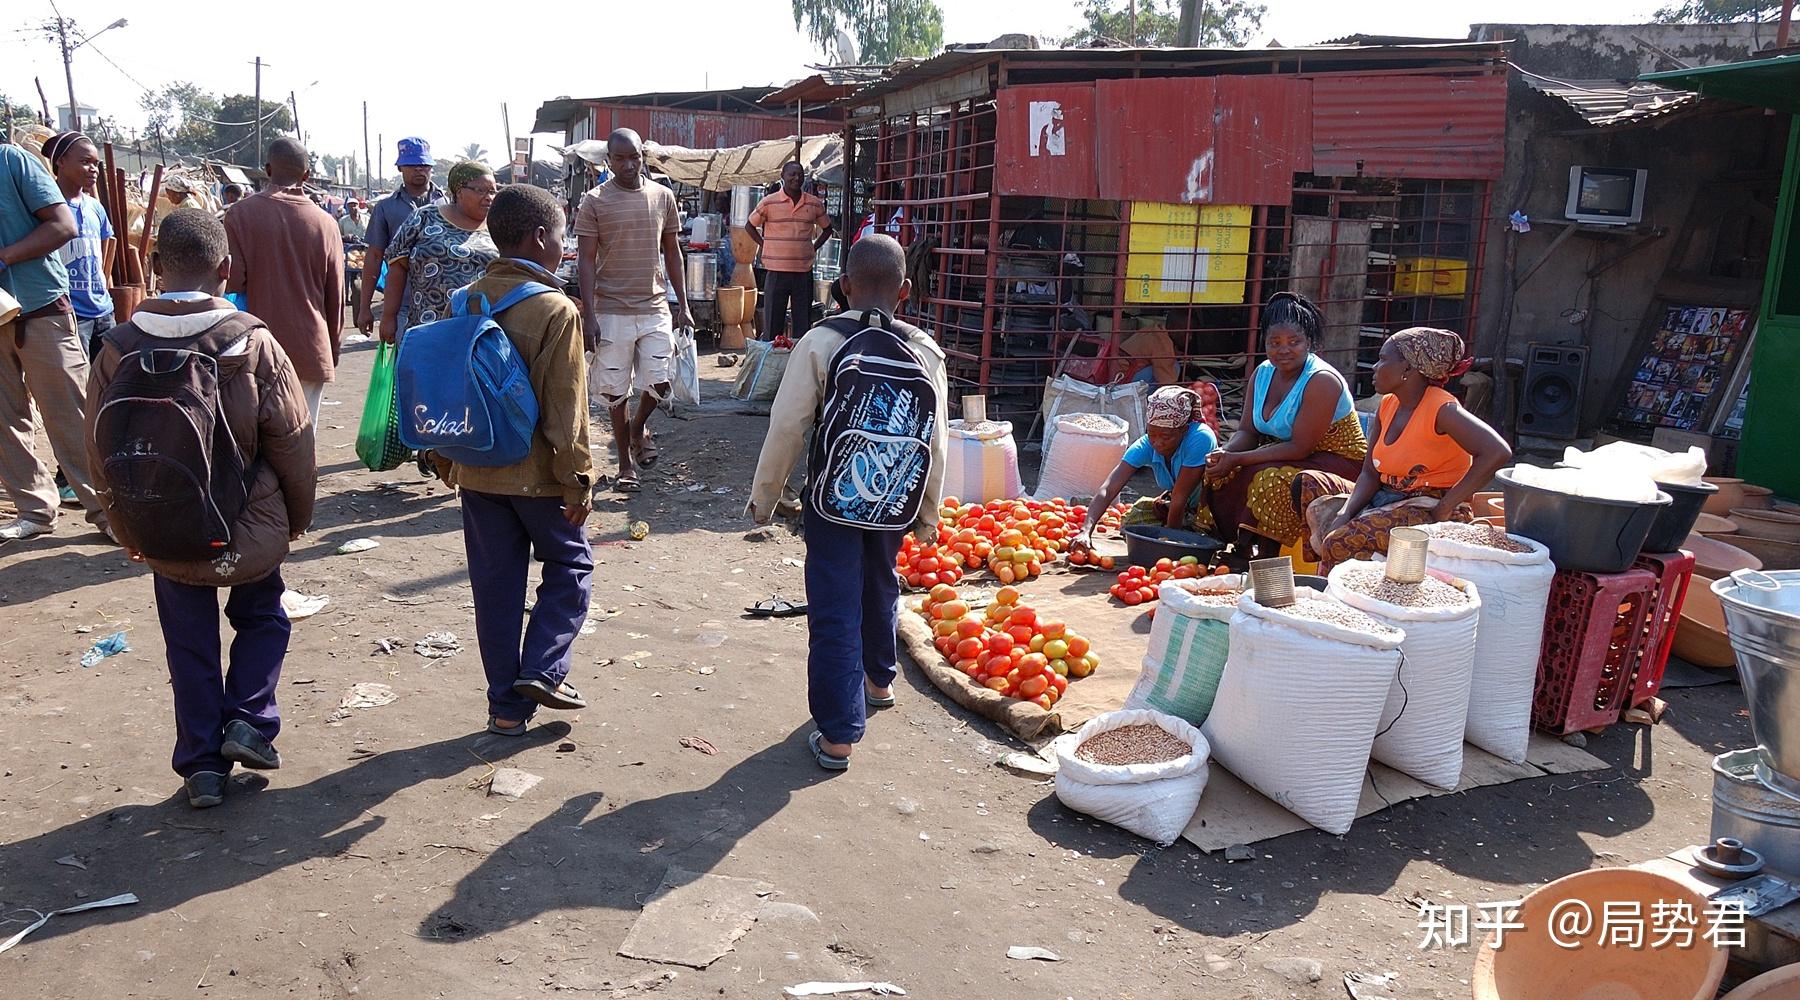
1427 455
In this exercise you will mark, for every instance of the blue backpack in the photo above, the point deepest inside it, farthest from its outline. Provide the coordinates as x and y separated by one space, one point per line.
460 387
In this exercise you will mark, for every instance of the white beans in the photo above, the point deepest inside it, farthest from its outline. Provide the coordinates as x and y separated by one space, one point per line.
1427 593
1335 613
1484 535
1140 744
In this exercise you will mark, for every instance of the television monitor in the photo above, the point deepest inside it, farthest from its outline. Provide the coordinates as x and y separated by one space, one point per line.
1606 196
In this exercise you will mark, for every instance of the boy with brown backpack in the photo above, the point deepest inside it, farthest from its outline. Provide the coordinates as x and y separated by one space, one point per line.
201 447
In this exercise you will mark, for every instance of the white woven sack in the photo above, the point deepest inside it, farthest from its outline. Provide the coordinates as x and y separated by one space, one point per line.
1189 642
1154 801
1066 394
1298 708
983 464
1079 459
1515 591
1428 707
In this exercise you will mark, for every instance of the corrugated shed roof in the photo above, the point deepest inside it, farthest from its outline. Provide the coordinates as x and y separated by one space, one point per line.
1606 103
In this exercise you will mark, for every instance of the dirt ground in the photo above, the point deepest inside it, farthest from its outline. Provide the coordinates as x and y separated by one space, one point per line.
374 864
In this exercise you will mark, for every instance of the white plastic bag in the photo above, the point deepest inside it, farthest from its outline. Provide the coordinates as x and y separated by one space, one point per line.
684 370
983 462
1126 400
1679 468
1189 643
759 375
1084 451
1298 707
1625 484
1154 801
1428 707
1515 590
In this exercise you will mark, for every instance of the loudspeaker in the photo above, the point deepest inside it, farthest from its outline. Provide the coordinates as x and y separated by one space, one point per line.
1550 398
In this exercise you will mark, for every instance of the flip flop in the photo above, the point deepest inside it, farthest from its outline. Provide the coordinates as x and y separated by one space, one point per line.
874 702
563 695
496 728
646 454
776 607
830 762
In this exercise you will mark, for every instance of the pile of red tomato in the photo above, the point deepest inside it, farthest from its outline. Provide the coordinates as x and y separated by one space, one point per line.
1014 539
1137 585
1008 649
927 565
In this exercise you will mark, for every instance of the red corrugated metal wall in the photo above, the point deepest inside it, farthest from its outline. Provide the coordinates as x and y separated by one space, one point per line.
1404 125
1228 140
701 129
1044 141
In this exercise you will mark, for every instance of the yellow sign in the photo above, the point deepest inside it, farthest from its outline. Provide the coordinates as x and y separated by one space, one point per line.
1187 253
1432 276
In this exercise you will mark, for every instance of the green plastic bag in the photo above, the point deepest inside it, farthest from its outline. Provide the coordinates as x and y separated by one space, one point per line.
378 437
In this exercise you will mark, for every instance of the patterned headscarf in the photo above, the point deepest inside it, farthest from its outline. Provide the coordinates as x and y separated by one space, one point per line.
1172 406
58 145
1433 353
465 172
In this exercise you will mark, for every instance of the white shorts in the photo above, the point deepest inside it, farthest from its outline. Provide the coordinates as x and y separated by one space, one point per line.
634 354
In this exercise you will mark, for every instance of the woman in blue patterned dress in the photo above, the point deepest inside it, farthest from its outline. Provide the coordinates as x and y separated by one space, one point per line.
438 250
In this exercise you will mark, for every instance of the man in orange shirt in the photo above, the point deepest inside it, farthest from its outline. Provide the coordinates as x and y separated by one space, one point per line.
790 226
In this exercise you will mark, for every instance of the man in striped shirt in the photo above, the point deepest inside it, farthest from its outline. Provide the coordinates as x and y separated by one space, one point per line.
790 226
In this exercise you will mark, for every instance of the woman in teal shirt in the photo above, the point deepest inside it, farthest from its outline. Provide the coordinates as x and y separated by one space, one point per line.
1175 449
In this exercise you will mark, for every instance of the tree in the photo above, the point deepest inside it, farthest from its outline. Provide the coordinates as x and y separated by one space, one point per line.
14 114
474 151
189 121
1222 22
1687 11
884 30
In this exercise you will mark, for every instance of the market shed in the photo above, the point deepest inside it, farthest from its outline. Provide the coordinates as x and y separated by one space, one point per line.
1058 203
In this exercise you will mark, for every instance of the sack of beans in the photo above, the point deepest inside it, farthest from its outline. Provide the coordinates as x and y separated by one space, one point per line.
1189 641
1140 770
982 461
1084 451
1421 729
1300 702
1513 574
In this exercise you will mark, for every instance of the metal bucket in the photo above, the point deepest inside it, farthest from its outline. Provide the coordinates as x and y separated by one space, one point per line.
702 276
1761 817
1762 619
1406 555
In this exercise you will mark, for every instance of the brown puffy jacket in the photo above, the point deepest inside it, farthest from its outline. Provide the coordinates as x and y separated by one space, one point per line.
263 402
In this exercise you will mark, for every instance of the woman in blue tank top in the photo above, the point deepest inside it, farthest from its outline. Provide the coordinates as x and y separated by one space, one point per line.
1298 415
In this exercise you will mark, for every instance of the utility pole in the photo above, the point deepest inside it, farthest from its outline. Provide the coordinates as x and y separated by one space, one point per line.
368 161
381 144
257 114
294 106
62 37
506 125
1134 31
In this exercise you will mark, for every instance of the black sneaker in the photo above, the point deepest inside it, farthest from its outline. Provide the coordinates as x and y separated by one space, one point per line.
205 789
246 746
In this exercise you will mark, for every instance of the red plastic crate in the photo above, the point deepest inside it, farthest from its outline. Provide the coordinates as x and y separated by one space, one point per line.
1596 633
1674 572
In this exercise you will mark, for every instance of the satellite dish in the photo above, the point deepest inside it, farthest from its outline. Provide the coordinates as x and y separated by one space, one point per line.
845 54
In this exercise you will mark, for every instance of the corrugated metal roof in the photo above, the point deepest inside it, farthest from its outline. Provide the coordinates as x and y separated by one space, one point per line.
1040 64
554 115
1604 103
1409 125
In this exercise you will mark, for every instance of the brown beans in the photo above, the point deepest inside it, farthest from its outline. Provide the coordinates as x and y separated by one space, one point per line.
1140 744
1430 592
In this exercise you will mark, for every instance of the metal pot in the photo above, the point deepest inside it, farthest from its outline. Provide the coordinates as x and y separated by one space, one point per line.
1746 808
1762 617
702 276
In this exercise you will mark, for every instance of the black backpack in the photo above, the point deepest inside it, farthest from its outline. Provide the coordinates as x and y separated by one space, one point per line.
871 451
177 478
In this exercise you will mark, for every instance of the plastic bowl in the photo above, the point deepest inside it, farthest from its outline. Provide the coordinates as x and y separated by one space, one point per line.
1674 522
1587 534
1146 543
1532 965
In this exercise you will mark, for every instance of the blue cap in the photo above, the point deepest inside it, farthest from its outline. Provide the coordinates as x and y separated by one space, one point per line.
414 152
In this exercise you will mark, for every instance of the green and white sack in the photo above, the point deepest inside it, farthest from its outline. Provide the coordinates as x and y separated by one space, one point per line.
1189 642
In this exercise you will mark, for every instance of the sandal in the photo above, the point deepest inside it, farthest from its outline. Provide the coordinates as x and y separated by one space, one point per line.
874 702
563 695
776 607
517 729
628 484
646 453
830 762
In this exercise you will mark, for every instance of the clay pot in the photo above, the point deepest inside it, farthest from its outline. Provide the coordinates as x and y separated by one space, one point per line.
1731 494
1774 555
1781 984
1758 497
1532 965
1712 524
1700 637
1717 559
1489 504
1775 525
